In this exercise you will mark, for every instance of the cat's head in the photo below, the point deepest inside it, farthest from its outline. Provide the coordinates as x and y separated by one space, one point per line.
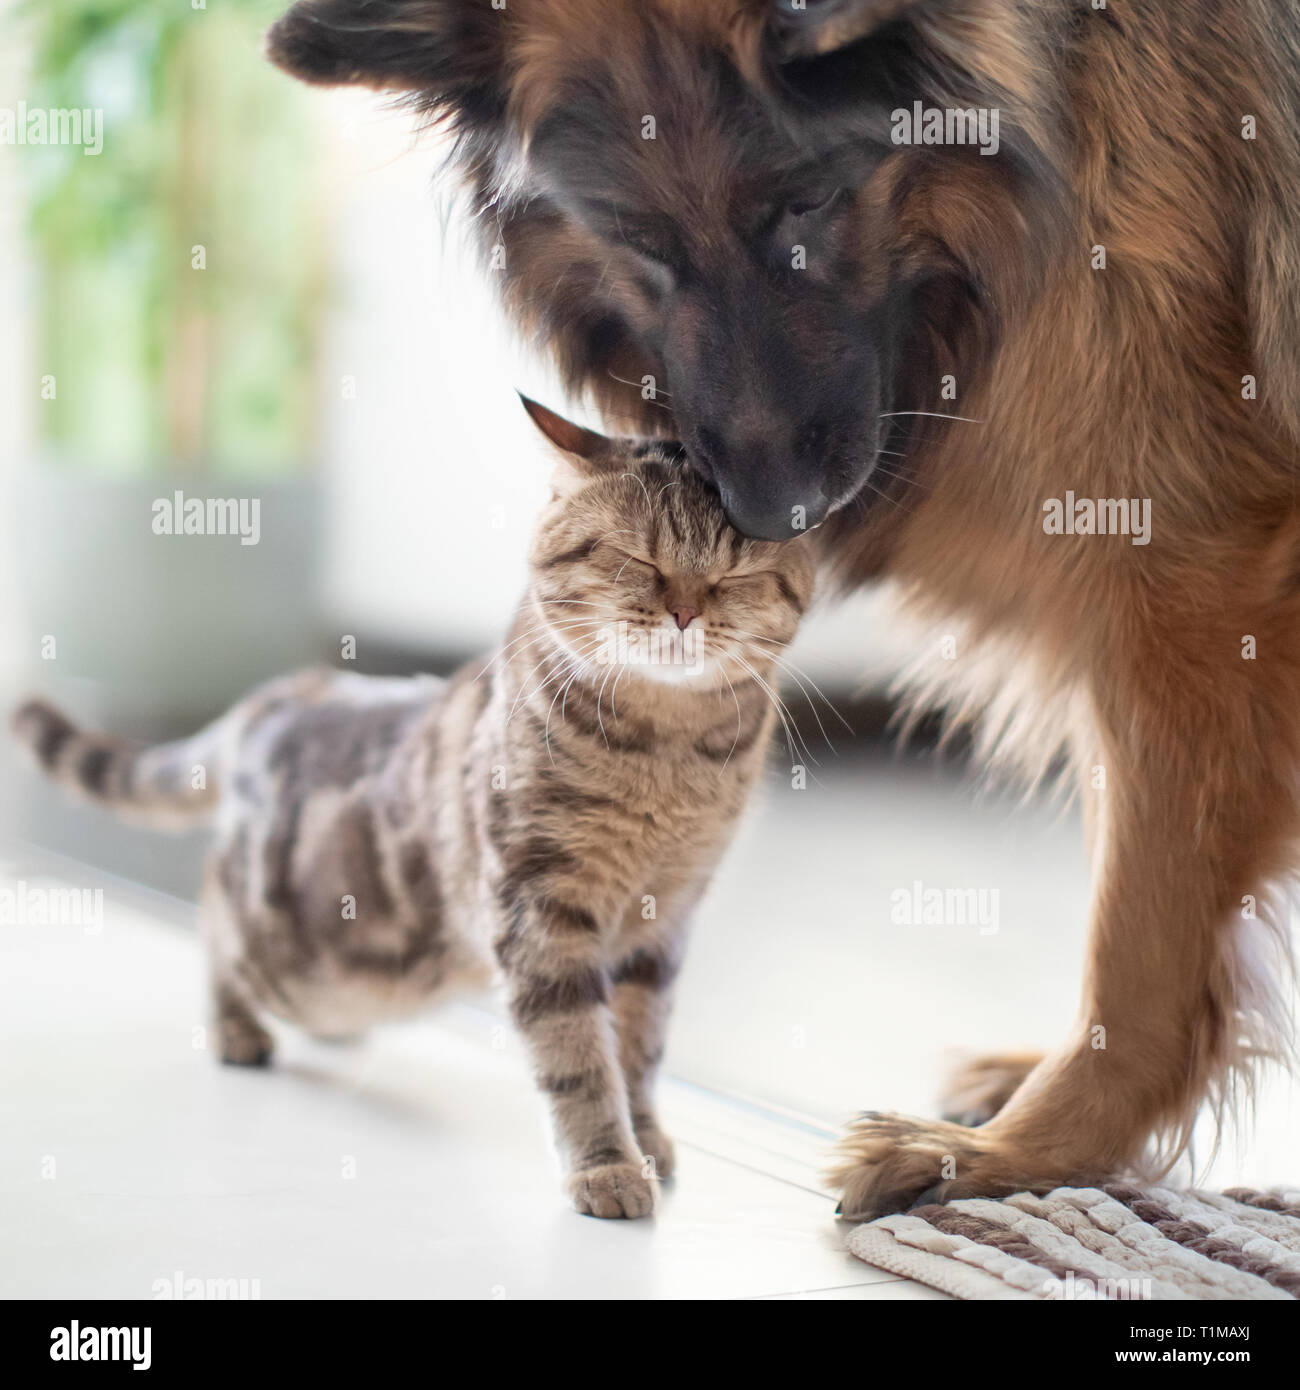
635 565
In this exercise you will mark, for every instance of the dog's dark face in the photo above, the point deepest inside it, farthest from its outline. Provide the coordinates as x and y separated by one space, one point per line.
736 260
699 202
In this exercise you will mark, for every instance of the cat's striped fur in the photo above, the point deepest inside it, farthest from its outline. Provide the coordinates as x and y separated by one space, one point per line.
551 812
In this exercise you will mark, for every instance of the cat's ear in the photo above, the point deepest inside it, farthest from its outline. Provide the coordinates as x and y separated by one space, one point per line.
449 53
581 453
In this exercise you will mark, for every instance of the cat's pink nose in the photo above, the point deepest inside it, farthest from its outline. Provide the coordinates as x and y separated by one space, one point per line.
684 616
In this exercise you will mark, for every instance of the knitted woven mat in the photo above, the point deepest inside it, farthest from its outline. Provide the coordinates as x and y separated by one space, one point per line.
1117 1242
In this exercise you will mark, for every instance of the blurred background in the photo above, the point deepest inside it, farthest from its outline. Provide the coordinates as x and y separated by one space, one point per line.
231 286
257 291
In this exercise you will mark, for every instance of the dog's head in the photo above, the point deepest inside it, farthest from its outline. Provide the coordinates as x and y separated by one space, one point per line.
741 212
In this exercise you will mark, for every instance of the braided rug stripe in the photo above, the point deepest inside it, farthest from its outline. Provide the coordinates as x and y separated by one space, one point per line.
1077 1243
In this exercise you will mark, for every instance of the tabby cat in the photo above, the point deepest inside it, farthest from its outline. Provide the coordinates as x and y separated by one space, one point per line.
553 813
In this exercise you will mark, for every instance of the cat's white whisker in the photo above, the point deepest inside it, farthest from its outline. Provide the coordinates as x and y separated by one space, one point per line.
776 661
574 669
613 708
736 740
524 693
640 482
799 675
536 641
535 633
640 386
599 694
795 742
932 414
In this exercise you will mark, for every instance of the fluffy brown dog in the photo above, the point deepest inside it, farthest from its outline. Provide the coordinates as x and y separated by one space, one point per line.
734 210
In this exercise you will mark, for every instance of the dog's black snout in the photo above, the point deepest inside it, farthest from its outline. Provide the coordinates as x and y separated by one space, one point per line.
772 518
766 493
707 448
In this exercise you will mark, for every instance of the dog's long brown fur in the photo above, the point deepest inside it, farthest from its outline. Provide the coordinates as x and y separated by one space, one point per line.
1170 671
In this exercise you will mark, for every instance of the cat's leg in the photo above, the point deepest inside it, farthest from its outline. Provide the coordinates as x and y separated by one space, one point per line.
560 994
241 1039
643 982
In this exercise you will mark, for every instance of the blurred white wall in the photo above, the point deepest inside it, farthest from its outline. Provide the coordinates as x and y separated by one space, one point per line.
19 375
432 472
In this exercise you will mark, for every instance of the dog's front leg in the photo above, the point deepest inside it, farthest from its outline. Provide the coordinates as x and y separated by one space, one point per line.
1195 819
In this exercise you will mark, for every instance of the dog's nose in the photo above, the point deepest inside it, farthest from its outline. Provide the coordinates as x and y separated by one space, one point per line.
766 494
763 516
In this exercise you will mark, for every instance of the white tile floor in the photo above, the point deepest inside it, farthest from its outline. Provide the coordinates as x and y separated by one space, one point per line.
415 1165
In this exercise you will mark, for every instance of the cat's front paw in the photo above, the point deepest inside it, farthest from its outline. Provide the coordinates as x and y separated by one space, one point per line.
612 1190
657 1147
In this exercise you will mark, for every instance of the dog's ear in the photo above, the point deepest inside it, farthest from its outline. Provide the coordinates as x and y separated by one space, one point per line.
583 453
451 53
809 28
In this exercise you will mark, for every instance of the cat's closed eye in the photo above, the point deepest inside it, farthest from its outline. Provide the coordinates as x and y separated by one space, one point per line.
638 564
732 583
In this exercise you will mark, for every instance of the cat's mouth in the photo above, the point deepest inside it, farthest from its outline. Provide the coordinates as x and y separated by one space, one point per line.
661 652
702 654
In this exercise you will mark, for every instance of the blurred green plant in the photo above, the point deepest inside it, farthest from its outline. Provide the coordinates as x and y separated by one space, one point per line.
208 153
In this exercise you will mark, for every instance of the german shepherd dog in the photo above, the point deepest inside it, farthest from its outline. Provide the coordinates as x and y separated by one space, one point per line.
804 235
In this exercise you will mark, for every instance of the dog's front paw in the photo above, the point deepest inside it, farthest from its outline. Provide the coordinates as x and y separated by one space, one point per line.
612 1190
889 1163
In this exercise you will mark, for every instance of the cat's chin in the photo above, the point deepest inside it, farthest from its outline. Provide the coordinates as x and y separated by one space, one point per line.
702 674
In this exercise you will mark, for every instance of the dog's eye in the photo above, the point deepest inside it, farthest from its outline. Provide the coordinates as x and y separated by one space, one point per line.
806 207
658 256
653 239
651 244
647 247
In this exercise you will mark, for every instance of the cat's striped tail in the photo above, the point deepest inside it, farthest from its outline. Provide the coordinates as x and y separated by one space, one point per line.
168 785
